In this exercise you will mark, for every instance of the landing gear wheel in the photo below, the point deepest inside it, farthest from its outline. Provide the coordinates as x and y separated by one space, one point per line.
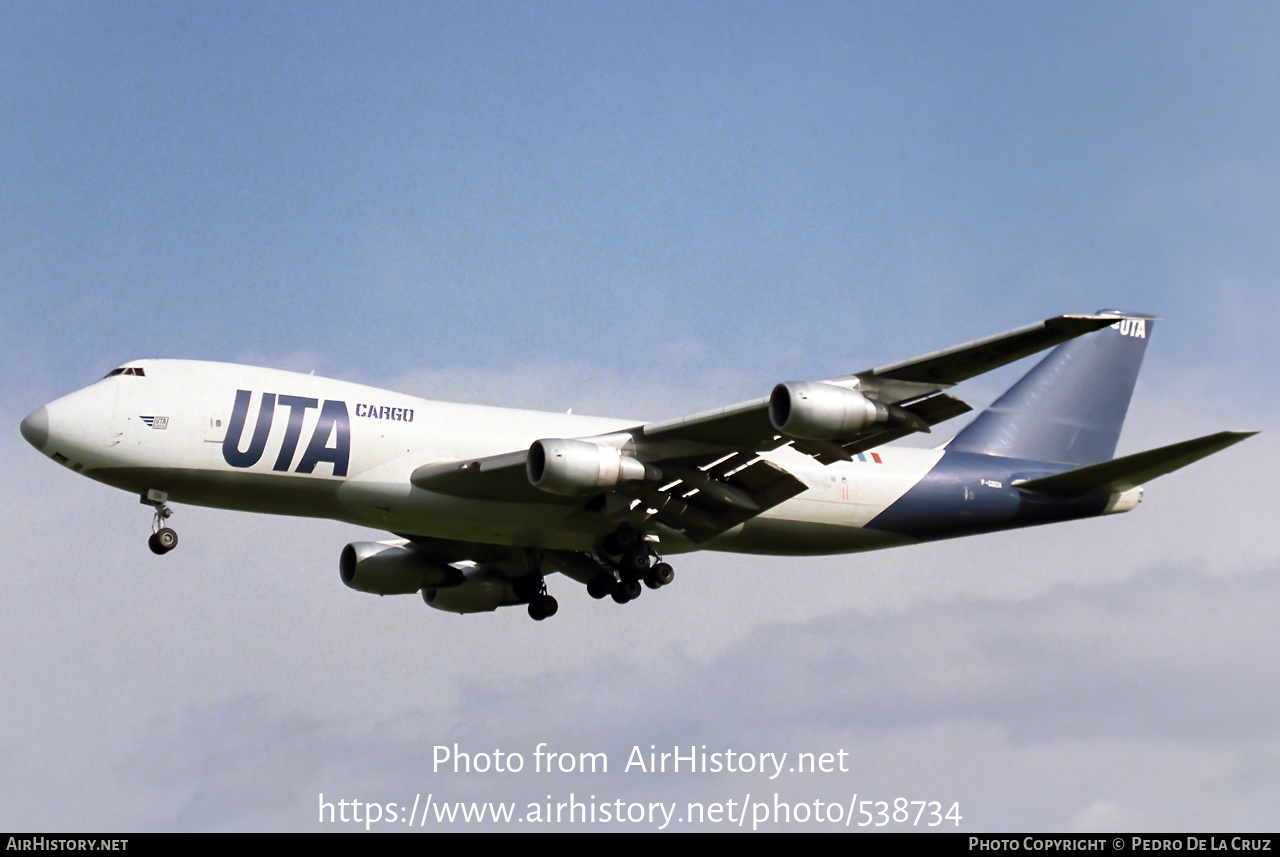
163 540
601 587
634 564
542 607
534 590
660 575
626 590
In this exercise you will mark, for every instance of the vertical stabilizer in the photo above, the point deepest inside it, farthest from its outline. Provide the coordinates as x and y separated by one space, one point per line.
1070 407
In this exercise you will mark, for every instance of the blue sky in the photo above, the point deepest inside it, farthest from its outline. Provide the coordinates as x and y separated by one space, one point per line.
444 184
642 209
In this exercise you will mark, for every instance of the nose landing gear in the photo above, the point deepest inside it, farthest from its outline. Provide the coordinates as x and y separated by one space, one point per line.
163 539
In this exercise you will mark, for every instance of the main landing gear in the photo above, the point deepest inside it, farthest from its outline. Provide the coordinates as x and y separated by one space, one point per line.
633 562
163 539
534 590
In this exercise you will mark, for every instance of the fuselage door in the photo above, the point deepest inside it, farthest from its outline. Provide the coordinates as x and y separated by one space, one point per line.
215 430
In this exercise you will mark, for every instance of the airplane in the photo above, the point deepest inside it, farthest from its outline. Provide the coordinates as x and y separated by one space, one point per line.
486 502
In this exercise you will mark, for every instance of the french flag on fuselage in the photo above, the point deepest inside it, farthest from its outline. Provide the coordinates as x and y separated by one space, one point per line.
872 457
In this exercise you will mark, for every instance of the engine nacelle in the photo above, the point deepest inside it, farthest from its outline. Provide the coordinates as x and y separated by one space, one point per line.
392 568
580 467
481 590
816 411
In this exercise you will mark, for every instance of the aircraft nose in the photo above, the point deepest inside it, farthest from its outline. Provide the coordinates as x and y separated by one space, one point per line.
35 428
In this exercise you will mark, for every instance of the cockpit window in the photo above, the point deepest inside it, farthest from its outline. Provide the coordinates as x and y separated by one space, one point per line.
126 370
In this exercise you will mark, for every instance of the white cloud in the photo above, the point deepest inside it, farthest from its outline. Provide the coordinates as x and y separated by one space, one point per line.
228 684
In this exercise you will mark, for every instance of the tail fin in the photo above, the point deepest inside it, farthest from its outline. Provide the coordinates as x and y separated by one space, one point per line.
1070 407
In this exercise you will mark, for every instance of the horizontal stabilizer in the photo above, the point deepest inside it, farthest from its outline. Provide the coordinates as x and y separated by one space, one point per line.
1114 477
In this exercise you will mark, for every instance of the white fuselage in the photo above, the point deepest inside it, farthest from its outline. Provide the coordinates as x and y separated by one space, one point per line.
304 445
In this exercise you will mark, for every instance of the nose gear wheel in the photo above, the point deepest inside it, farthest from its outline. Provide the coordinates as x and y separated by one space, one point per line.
163 538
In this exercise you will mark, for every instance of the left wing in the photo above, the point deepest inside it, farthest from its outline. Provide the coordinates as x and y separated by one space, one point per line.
703 474
907 384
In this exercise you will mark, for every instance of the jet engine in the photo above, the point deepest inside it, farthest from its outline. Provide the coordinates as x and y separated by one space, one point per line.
480 591
817 411
392 568
581 467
